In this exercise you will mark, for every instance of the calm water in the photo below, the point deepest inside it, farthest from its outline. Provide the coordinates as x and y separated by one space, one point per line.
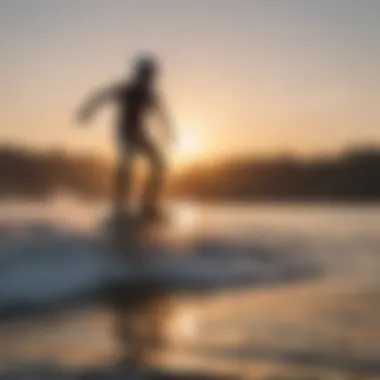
325 324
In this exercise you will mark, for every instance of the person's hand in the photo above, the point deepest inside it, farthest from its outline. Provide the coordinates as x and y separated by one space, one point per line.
83 115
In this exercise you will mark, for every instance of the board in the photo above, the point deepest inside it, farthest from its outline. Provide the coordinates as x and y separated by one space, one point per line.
132 219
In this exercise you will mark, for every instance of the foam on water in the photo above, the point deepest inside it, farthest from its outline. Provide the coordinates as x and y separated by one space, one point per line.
56 252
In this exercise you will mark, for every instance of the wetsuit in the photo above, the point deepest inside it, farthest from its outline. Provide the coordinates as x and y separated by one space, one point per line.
134 103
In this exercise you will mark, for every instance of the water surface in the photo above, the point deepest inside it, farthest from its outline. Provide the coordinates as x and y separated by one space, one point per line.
325 323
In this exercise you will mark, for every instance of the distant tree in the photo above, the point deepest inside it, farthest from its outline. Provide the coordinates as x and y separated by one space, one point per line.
352 176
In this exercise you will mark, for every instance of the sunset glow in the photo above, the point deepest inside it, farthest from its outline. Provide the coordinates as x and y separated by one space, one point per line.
257 76
188 147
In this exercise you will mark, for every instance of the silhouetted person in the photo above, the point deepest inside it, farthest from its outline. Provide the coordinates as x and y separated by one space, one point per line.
135 97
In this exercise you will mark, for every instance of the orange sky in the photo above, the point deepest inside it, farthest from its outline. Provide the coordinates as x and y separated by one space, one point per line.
240 76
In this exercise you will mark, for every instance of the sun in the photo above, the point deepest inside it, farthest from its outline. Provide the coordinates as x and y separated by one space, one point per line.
187 145
187 148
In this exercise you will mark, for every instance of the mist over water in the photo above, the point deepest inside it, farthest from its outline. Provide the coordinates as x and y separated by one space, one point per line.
310 305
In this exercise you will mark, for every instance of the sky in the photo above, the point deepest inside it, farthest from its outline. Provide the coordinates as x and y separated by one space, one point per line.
240 77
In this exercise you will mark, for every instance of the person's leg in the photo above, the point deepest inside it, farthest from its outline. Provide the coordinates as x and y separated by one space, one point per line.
123 177
156 163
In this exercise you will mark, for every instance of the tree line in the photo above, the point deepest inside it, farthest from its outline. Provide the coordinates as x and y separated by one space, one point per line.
353 175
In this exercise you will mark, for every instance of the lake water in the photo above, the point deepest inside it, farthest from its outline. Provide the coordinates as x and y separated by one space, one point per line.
313 309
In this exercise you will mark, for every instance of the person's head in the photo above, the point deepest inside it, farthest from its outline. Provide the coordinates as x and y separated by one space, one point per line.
146 70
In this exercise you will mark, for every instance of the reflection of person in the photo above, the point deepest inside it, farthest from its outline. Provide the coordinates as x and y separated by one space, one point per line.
135 98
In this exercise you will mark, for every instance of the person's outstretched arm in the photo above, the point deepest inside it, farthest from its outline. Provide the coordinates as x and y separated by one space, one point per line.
96 100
